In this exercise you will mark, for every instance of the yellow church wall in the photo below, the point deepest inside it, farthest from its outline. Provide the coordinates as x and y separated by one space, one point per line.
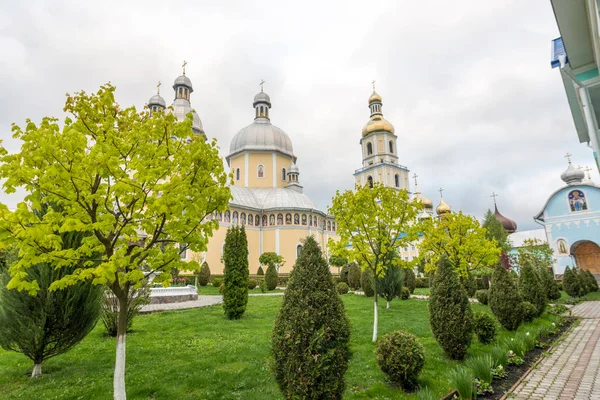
264 159
238 162
253 235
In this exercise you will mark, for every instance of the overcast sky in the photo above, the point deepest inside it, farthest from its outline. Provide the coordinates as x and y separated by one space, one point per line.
467 84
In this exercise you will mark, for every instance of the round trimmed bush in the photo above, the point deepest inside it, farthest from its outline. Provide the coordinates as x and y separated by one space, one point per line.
482 296
401 357
262 285
252 283
504 299
409 279
342 288
216 282
354 276
366 283
404 293
222 288
422 282
529 311
485 327
203 274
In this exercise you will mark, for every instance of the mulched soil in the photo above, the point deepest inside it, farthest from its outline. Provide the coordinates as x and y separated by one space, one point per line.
515 372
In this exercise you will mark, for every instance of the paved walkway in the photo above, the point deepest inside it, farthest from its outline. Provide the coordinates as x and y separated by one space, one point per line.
572 371
203 301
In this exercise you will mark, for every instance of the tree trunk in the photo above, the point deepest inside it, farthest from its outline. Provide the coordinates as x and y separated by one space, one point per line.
37 370
376 316
388 304
119 374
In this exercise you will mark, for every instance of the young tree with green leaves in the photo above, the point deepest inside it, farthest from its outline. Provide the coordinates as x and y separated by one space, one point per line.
495 231
236 272
536 253
135 184
391 283
531 289
461 239
271 260
338 261
375 221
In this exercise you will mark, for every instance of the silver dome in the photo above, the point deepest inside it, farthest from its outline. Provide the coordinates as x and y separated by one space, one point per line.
261 97
181 108
572 175
294 168
261 135
183 80
266 199
157 100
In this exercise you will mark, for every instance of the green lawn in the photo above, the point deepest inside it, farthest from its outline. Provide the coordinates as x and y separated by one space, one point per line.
198 354
211 290
422 291
590 296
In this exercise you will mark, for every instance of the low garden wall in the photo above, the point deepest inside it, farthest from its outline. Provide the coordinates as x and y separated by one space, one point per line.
177 294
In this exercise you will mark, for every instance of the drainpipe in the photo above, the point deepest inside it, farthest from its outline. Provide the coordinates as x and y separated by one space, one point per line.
589 121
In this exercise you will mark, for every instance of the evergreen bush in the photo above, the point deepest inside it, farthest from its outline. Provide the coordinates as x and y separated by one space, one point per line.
216 282
344 273
366 283
401 357
593 283
137 298
311 334
485 327
410 280
203 274
531 289
342 288
404 293
252 283
390 285
235 258
422 282
271 277
504 299
529 311
263 286
450 313
549 284
354 276
571 284
222 288
583 282
470 285
482 296
260 271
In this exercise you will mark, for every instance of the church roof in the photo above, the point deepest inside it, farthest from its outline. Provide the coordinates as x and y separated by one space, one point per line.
518 238
266 199
540 216
509 225
261 135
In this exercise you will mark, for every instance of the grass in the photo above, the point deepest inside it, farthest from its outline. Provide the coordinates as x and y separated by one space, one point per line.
422 291
592 296
197 353
211 290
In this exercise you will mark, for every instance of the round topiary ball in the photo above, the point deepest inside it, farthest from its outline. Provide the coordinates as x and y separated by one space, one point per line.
485 328
529 311
221 288
404 293
401 357
252 283
342 288
482 296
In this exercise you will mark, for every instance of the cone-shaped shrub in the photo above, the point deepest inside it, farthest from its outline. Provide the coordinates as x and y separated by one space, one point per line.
549 284
204 274
390 285
484 326
366 283
354 276
583 282
593 283
410 280
310 341
450 313
571 284
504 299
531 289
235 285
271 277
260 271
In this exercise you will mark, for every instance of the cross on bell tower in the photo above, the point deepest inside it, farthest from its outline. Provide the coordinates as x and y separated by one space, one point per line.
494 195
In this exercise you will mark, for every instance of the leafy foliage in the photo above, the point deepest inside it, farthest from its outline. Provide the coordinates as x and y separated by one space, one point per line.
495 231
216 282
482 296
137 298
338 261
549 284
391 284
463 382
592 282
504 299
404 293
482 367
485 327
204 274
311 335
531 289
354 276
263 286
235 258
571 283
366 283
271 277
536 253
450 313
260 271
410 280
529 311
252 283
271 258
342 288
461 239
401 357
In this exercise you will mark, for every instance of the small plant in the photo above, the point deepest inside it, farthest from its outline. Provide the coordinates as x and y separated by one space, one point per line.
401 357
482 388
499 356
514 359
216 282
426 394
342 288
409 279
504 299
482 296
262 285
499 372
485 327
462 380
529 311
558 309
203 274
531 289
404 293
271 277
515 346
571 284
529 341
481 367
252 283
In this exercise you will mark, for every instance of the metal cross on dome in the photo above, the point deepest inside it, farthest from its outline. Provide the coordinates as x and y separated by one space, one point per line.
415 176
587 169
441 192
262 82
183 66
494 195
158 87
568 157
373 83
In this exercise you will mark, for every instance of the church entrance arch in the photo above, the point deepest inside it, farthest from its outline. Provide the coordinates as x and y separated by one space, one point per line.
587 256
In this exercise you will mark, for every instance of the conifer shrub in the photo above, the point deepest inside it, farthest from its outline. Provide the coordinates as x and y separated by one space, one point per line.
504 299
531 289
252 283
583 283
344 273
216 282
549 284
470 285
271 277
366 283
450 313
222 288
482 296
311 334
260 271
263 286
401 357
354 276
571 283
404 293
485 327
203 274
422 282
529 311
593 283
109 316
390 285
410 280
342 288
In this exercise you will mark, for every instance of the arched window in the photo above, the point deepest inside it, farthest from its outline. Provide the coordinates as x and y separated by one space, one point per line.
369 148
329 225
237 174
227 216
370 181
235 217
391 147
250 219
243 218
397 180
264 220
296 219
303 219
298 250
288 219
279 219
257 220
283 174
260 172
272 219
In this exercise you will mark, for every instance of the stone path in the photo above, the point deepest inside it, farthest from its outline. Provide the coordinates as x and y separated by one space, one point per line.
203 301
572 371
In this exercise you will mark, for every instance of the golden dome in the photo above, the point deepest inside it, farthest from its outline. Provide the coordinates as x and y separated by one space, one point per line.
375 97
427 203
377 123
443 208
